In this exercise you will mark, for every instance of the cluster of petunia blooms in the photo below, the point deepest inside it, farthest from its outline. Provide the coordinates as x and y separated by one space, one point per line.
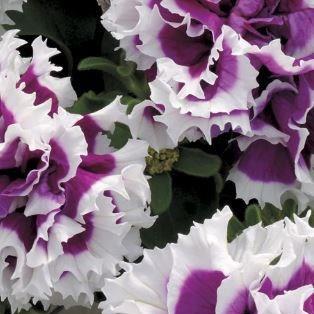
221 65
265 270
71 206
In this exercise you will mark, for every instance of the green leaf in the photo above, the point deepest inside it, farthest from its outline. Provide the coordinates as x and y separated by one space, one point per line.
134 83
196 162
275 260
91 102
127 69
120 135
219 181
194 199
161 188
253 215
235 228
290 207
131 102
271 214
4 306
311 219
69 24
97 63
30 311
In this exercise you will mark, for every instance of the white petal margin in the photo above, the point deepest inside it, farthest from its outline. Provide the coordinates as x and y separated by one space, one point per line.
179 125
125 20
10 59
290 302
224 99
42 68
248 189
121 18
142 289
143 125
254 249
160 283
6 5
208 239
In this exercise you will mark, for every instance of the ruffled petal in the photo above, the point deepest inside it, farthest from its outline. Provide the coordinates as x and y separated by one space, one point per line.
142 123
38 78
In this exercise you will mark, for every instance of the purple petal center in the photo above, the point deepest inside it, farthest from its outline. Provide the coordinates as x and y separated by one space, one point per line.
199 293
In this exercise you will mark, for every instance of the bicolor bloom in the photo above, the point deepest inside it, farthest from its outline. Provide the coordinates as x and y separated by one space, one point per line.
124 20
288 286
143 124
259 22
71 206
277 154
211 58
204 79
208 56
264 270
34 74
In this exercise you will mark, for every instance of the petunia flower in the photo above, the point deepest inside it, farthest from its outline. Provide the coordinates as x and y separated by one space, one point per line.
204 79
202 272
143 124
211 107
71 206
234 66
34 74
264 270
259 22
276 159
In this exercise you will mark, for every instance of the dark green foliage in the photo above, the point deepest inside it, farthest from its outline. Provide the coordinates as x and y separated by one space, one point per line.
194 199
161 188
196 162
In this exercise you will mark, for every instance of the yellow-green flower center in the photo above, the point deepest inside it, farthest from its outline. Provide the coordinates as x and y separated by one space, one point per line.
162 161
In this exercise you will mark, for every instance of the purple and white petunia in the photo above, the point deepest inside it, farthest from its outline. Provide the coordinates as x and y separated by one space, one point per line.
204 79
124 20
34 74
150 29
276 158
222 65
203 86
264 270
258 21
206 69
143 123
71 206
37 78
